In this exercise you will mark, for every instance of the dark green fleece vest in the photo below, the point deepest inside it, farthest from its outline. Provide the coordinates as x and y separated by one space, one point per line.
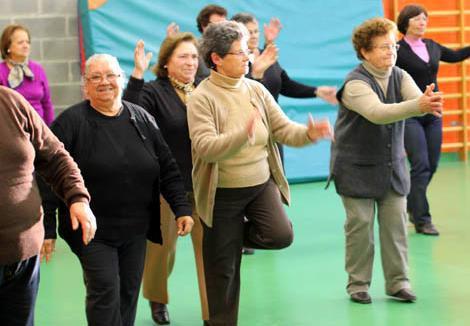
368 159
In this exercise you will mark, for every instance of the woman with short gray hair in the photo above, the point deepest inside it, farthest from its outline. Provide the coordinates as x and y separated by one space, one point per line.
219 39
234 123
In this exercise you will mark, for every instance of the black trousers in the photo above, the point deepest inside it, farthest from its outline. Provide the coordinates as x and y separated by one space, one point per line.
112 272
19 283
423 140
268 227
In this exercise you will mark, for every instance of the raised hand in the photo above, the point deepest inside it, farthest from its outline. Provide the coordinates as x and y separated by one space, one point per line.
141 60
172 29
431 102
184 225
319 130
272 30
327 94
264 61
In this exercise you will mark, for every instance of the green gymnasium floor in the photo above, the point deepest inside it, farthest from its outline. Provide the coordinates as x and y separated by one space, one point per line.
304 284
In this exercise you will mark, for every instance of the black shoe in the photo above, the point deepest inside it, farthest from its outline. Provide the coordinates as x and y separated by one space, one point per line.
361 297
426 229
159 313
405 295
248 251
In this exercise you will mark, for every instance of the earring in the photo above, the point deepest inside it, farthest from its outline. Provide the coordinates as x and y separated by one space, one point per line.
165 66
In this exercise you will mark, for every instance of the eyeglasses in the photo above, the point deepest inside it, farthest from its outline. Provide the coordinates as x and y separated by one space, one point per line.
96 79
388 47
241 53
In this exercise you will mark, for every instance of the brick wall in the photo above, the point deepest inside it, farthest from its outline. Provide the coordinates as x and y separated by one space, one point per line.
54 35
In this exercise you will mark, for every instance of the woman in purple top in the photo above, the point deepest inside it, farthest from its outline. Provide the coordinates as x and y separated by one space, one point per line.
25 76
420 57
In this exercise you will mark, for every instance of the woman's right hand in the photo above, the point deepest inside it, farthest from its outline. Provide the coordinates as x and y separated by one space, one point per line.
431 102
251 125
141 60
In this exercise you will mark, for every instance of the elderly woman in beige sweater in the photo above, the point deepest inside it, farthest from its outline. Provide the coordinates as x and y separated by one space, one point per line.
234 123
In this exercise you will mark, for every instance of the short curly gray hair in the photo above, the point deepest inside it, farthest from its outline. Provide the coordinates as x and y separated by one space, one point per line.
218 38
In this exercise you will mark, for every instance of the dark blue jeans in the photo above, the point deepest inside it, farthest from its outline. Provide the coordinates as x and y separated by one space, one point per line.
19 283
423 139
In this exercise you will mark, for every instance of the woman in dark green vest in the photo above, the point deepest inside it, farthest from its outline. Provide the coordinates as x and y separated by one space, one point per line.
368 158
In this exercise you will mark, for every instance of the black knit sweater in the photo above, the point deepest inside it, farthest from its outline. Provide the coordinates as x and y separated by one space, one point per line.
277 81
159 98
126 164
425 73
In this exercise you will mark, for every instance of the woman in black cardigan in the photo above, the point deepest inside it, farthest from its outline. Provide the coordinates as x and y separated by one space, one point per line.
165 99
423 135
126 164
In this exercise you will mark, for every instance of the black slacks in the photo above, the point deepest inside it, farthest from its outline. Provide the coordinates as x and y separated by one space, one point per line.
423 140
112 272
268 227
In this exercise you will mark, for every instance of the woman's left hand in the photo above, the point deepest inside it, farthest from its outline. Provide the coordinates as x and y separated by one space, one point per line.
172 29
319 130
184 224
48 247
81 215
264 61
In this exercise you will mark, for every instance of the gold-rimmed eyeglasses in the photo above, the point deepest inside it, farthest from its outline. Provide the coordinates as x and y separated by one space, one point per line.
388 47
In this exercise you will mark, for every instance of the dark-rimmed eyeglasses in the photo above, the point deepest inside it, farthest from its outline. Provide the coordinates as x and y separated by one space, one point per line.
96 79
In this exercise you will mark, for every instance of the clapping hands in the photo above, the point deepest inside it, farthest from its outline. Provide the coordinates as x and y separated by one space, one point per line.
431 102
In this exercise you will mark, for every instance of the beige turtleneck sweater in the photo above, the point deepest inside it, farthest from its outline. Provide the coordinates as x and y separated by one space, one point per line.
358 96
249 166
223 156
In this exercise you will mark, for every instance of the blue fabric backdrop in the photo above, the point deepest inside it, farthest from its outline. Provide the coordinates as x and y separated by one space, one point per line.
315 48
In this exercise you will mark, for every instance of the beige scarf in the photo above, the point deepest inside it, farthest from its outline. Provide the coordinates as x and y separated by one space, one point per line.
17 73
